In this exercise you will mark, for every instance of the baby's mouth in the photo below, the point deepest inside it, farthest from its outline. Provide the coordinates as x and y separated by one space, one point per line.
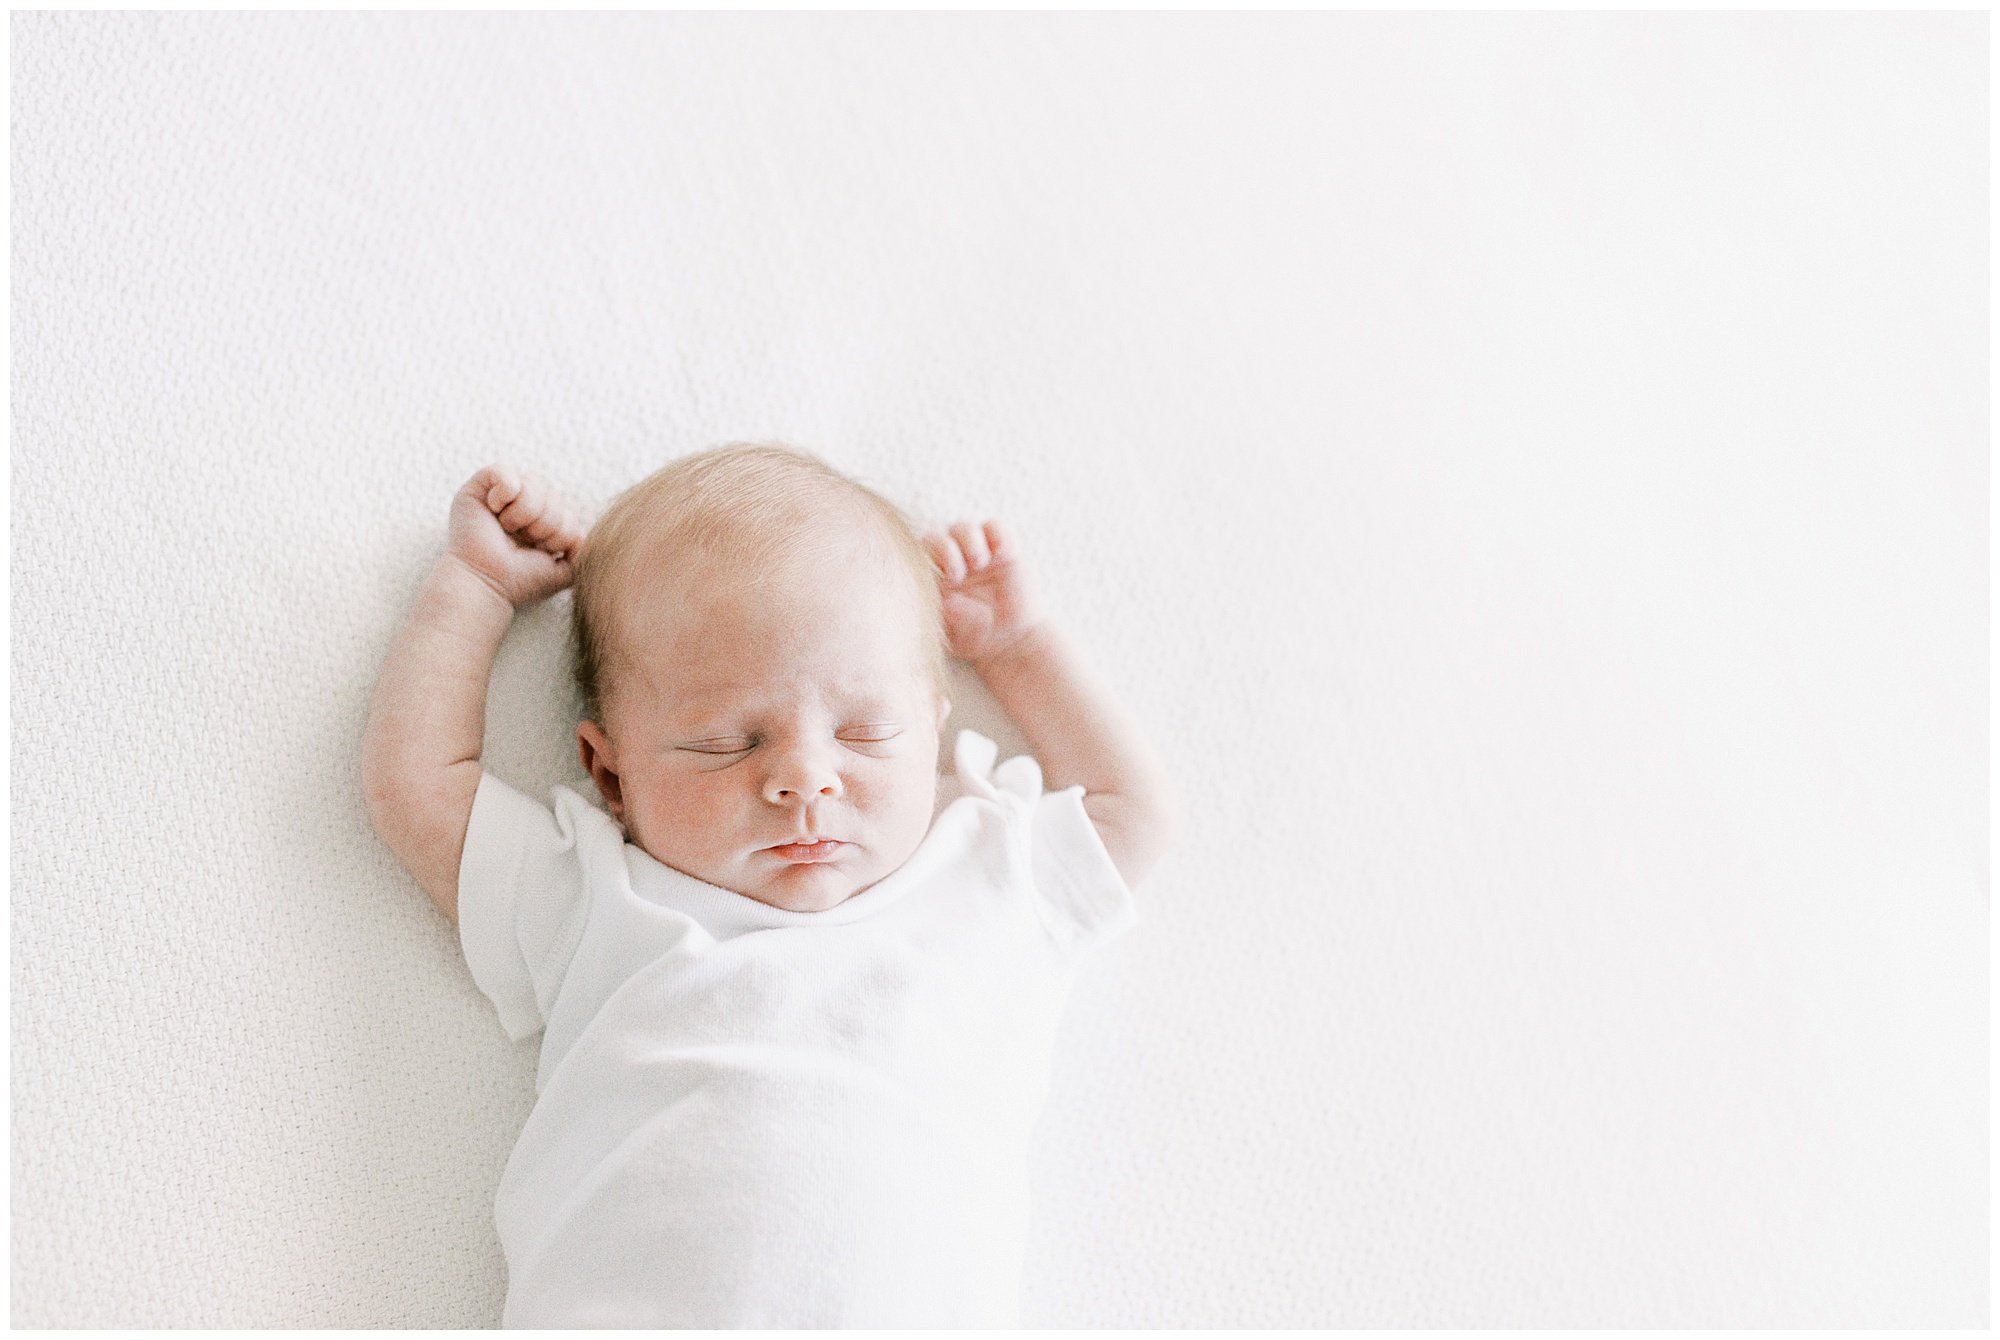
807 853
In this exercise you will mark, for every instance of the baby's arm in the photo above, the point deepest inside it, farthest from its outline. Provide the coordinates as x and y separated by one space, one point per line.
1079 732
512 543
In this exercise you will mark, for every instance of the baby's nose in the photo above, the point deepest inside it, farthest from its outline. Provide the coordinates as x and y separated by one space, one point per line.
801 778
779 794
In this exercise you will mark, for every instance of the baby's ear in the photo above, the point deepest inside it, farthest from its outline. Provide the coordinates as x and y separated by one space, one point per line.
593 746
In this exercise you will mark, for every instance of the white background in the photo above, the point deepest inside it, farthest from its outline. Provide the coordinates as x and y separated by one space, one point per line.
1528 472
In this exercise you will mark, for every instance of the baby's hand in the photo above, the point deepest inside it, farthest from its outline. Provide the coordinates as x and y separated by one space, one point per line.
988 605
513 531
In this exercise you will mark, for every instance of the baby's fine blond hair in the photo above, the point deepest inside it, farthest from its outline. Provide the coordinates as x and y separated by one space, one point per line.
749 504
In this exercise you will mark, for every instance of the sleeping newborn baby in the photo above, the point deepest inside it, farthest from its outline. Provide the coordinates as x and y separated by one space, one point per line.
796 1004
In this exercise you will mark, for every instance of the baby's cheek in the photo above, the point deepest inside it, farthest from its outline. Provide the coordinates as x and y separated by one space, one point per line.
915 793
687 815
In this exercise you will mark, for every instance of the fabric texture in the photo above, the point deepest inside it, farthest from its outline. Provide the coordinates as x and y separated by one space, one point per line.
753 1117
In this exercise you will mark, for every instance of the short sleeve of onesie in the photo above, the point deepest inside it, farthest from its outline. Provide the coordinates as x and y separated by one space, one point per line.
521 894
1081 897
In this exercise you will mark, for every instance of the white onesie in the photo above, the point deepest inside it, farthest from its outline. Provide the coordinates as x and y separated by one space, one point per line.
749 1117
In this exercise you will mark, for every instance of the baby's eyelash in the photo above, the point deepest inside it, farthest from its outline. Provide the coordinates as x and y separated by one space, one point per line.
740 745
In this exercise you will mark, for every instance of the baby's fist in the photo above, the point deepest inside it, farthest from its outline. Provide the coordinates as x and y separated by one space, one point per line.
988 602
514 531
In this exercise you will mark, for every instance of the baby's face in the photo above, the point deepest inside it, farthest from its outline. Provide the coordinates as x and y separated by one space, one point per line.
738 722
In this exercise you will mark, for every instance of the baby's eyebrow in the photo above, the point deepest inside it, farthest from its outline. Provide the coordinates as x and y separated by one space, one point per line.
694 709
728 725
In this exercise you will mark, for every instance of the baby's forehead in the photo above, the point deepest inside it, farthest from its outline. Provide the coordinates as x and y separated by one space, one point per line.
734 660
890 689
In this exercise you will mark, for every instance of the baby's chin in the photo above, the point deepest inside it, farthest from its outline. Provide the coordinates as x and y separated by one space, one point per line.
805 888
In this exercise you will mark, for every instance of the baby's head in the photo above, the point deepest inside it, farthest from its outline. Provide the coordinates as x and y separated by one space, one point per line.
761 656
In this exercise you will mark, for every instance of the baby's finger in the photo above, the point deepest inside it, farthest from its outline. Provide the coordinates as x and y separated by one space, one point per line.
503 485
945 554
545 529
527 509
973 541
568 536
542 529
1000 541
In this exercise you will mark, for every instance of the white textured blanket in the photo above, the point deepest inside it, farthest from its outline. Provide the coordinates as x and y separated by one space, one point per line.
1528 471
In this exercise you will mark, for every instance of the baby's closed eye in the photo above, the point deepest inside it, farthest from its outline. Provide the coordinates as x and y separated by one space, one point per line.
743 744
